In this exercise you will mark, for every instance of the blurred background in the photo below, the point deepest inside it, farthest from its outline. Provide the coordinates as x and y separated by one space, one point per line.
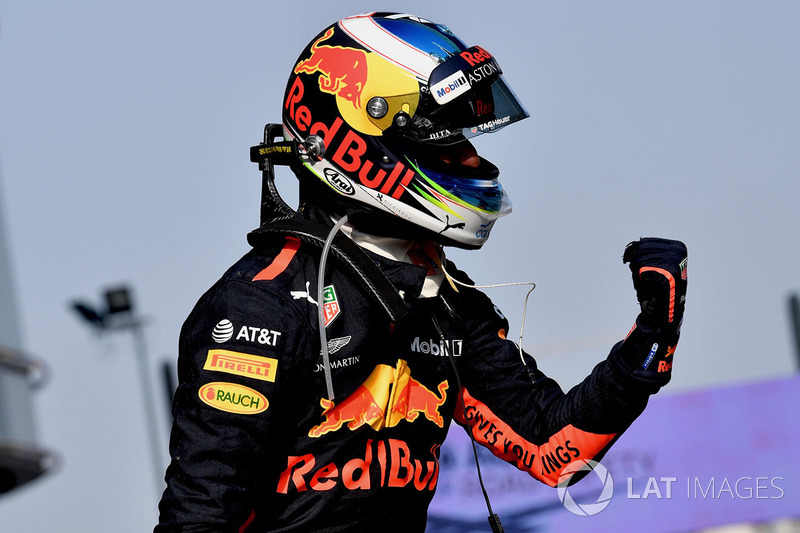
124 136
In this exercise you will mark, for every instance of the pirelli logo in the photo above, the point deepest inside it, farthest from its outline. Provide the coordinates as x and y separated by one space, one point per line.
242 364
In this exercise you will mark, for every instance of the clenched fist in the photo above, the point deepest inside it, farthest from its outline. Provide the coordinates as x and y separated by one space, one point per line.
659 277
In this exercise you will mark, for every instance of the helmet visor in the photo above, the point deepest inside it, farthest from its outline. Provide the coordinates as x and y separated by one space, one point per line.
467 96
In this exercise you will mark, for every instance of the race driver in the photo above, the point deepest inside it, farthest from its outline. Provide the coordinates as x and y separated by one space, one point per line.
320 374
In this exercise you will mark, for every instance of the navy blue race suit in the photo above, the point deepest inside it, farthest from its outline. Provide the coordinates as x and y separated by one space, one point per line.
257 446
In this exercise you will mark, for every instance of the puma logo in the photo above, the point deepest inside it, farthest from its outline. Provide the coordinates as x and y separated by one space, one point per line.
306 294
458 225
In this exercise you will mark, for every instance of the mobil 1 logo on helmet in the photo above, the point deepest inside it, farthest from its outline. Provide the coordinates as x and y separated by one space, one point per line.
449 88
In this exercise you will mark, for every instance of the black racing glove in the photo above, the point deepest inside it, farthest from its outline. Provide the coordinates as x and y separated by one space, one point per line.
658 267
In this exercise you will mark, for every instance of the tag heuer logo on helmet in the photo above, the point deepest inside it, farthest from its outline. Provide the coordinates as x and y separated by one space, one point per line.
437 347
330 304
223 331
339 182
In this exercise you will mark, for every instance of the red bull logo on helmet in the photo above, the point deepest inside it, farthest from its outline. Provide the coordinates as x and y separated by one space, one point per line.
342 71
354 75
349 149
387 397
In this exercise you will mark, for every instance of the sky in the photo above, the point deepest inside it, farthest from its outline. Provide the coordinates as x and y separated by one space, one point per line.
124 137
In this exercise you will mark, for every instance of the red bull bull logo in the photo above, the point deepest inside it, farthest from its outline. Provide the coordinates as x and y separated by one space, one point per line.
388 396
342 71
413 399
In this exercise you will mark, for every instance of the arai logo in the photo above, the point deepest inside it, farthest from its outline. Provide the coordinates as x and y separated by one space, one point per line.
339 182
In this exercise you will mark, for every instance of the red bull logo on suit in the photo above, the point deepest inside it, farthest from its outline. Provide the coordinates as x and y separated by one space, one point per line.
385 463
387 397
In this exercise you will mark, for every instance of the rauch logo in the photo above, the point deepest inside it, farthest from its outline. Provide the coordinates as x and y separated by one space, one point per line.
233 398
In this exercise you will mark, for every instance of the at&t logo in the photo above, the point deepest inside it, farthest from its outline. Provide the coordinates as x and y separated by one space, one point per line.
223 331
585 509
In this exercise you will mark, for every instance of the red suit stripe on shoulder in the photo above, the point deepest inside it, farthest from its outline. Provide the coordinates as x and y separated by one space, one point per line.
545 462
280 262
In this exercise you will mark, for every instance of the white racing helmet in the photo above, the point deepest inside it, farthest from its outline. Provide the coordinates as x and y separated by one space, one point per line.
395 99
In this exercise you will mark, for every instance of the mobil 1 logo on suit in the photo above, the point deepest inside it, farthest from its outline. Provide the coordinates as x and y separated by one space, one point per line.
440 347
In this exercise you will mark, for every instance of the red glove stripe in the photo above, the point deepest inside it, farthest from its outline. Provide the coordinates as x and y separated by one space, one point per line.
667 275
